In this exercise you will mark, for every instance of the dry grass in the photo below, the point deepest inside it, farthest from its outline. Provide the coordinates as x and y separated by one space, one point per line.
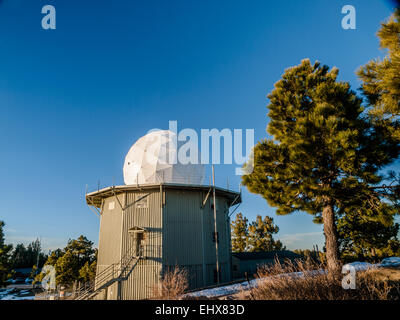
387 274
317 285
173 284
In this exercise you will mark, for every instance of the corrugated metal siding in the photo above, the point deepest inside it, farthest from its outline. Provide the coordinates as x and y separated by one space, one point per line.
183 238
110 240
175 233
147 272
110 232
224 241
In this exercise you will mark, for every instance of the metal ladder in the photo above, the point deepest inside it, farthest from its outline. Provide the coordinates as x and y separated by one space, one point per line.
118 271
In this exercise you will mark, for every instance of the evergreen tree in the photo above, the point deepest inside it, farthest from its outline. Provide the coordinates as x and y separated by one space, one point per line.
5 256
67 269
240 233
323 152
51 261
70 261
82 248
54 256
26 257
35 254
19 256
260 235
33 272
381 78
363 236
88 271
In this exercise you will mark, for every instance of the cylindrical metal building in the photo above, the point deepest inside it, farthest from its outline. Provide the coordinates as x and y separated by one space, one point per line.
166 225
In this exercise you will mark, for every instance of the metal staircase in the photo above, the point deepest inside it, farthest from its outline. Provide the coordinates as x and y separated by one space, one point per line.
116 272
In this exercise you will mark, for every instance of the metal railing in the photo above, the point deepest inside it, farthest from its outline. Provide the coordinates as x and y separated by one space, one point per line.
118 271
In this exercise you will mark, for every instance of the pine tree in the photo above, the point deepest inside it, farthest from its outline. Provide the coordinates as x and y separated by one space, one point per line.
5 256
366 236
240 233
54 256
34 272
19 256
51 261
26 257
323 152
381 77
82 248
261 233
88 271
69 262
67 269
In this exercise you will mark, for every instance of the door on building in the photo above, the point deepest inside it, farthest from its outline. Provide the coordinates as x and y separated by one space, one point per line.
139 240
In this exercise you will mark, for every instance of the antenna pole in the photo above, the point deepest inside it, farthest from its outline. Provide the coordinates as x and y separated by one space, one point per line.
215 225
37 258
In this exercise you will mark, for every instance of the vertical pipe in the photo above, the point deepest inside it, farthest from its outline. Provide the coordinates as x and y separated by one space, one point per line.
228 234
119 296
123 241
215 224
122 247
203 246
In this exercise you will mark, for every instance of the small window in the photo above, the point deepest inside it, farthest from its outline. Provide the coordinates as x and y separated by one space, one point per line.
111 205
215 237
142 203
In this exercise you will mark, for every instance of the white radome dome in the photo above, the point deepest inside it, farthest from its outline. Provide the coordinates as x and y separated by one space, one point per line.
147 161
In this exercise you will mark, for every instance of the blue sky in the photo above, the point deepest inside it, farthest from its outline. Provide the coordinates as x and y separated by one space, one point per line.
73 100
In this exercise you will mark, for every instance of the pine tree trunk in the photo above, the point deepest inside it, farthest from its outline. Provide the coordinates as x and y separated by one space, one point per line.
331 239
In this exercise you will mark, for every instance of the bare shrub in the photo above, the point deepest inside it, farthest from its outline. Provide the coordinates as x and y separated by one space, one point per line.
172 286
307 280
